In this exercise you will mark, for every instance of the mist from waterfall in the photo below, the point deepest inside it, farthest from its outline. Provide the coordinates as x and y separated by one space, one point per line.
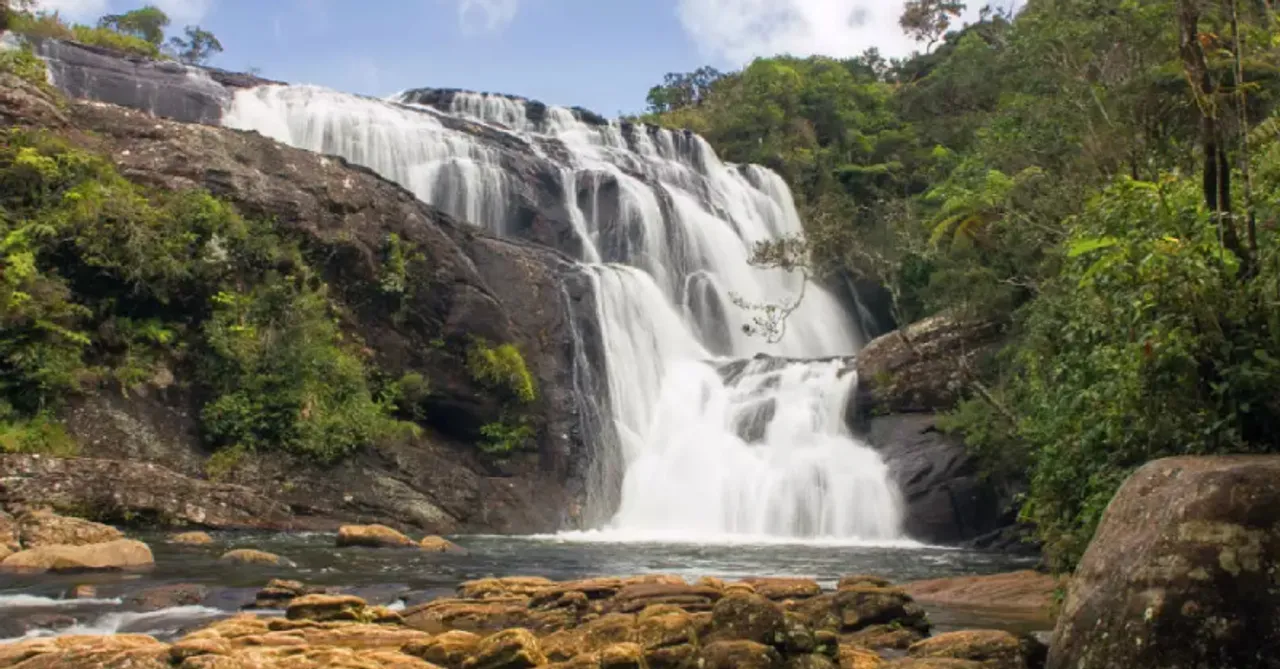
700 440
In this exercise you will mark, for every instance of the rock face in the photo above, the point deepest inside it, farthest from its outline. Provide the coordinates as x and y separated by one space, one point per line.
113 488
904 380
1181 572
1027 591
945 500
478 286
921 368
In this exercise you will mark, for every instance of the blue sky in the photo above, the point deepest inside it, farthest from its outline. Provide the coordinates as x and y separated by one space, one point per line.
599 54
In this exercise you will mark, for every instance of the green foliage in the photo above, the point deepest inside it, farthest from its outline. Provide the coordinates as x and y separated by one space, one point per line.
195 47
506 436
221 464
104 280
409 393
51 25
40 434
281 375
502 369
25 65
146 23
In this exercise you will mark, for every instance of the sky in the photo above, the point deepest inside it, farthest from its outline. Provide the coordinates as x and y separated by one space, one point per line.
603 55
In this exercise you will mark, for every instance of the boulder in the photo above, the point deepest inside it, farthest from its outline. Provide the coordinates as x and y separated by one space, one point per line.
945 498
992 648
255 557
810 662
640 596
45 528
779 589
740 654
933 663
854 657
116 651
449 650
856 580
883 637
118 488
1181 571
372 536
277 594
478 616
191 539
433 544
115 555
509 649
326 607
921 368
740 616
168 596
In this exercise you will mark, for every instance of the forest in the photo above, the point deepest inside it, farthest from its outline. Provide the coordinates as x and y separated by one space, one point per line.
1101 177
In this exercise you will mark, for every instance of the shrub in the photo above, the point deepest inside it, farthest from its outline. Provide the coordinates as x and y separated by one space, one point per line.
25 65
502 369
505 436
41 434
51 25
282 376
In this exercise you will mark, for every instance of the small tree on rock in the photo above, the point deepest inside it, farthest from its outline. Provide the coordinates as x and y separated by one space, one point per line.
196 48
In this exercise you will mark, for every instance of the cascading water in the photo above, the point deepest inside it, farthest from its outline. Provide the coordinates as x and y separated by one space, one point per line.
702 441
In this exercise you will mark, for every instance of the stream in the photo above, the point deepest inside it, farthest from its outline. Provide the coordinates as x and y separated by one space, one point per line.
40 605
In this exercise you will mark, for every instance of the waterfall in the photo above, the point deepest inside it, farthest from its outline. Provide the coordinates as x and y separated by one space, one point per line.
702 438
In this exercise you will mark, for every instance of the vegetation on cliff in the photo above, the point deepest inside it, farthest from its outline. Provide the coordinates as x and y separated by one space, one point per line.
106 283
140 32
1101 176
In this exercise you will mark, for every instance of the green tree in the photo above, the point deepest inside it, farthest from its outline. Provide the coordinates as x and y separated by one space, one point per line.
196 47
928 20
147 23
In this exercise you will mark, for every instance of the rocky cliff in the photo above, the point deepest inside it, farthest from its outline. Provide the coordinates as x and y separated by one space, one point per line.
502 290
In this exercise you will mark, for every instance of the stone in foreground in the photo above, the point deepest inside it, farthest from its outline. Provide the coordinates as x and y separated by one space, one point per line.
1181 572
994 649
109 556
45 528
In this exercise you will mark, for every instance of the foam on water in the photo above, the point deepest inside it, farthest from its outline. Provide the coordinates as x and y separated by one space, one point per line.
162 623
666 231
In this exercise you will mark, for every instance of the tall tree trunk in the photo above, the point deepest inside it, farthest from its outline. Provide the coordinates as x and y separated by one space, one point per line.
1217 169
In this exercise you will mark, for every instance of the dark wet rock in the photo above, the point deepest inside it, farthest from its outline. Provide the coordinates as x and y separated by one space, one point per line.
278 593
1181 571
116 489
946 499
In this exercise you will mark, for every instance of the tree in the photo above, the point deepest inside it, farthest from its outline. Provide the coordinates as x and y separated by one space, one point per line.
928 20
147 23
196 48
681 90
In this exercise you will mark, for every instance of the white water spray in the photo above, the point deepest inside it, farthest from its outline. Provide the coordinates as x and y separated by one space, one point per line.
666 230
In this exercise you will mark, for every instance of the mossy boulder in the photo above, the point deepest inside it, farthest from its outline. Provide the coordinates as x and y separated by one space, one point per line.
1181 572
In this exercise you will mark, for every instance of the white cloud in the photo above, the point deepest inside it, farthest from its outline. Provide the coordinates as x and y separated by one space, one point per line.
182 12
737 31
486 15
